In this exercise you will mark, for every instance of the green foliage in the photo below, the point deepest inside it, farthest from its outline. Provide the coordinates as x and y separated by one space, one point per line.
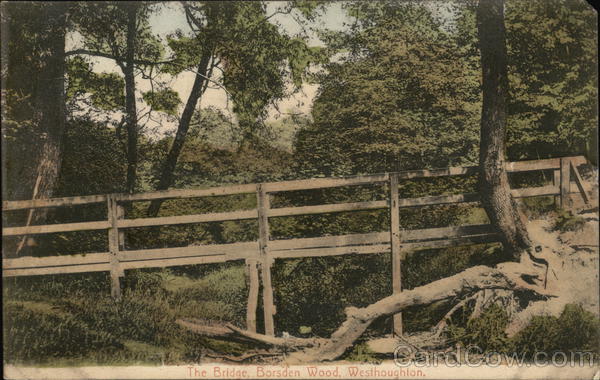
566 221
362 353
392 102
165 100
106 90
575 329
34 332
553 80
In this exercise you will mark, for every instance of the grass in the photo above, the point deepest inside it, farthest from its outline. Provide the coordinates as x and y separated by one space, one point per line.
72 320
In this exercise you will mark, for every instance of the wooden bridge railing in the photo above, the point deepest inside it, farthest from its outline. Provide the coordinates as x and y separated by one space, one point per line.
259 255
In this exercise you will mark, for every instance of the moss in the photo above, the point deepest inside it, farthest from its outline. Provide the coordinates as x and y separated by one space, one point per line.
566 221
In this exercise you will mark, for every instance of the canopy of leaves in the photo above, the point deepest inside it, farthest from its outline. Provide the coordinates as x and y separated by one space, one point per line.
401 96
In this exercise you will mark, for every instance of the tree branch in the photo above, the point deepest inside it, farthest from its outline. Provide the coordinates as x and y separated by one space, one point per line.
115 57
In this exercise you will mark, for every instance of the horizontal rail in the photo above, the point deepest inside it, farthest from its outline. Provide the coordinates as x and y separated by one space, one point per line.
305 184
327 208
445 232
451 171
188 219
63 269
52 202
275 212
383 248
462 241
543 164
174 262
330 241
438 199
331 251
234 250
321 183
535 191
50 228
48 261
380 237
188 193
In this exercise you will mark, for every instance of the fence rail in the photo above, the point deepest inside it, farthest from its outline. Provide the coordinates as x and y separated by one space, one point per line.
259 255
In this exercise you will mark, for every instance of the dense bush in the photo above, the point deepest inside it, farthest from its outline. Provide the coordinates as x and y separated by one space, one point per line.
575 329
34 332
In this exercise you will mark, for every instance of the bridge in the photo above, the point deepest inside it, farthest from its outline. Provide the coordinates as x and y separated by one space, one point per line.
259 255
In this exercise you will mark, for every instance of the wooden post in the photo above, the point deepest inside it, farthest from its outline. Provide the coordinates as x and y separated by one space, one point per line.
265 259
395 244
580 183
556 182
121 215
253 285
113 245
565 182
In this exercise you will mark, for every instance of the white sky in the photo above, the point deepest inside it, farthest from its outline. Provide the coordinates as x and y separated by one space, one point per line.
171 17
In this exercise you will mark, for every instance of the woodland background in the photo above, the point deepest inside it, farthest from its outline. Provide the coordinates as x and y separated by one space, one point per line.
399 88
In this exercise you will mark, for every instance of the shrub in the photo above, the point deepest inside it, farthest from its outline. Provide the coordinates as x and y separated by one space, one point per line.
485 331
36 334
566 221
574 330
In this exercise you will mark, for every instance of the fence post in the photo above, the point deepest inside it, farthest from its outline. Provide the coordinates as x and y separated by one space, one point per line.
565 182
253 285
556 182
113 245
263 204
121 215
395 245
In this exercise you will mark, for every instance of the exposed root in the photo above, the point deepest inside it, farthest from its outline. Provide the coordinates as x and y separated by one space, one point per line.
507 276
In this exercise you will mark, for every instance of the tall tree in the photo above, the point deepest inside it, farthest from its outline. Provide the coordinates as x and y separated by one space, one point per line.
45 63
494 186
120 31
249 51
130 106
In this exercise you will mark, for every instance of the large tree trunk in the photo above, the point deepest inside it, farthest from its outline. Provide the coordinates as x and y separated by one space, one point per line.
49 115
130 106
166 175
494 185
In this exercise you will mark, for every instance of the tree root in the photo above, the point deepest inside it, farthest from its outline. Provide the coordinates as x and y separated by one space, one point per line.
508 276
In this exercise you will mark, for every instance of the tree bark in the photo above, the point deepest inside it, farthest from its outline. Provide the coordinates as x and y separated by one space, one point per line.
494 185
130 105
49 115
168 168
509 276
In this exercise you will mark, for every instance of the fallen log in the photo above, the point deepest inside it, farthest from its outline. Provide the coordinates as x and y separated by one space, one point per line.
231 332
508 276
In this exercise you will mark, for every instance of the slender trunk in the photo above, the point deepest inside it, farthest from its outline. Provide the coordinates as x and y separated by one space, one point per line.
130 106
49 115
494 184
168 168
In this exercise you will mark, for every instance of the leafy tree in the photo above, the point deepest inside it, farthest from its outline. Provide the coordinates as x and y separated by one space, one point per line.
120 31
401 96
251 52
34 114
495 189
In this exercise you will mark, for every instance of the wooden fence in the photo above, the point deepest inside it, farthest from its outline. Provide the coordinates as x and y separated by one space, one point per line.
259 255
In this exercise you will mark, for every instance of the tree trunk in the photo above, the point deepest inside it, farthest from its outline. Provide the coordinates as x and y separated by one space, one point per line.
130 106
509 276
494 184
49 115
166 176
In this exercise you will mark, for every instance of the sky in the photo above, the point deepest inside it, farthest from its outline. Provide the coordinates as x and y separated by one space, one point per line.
171 17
